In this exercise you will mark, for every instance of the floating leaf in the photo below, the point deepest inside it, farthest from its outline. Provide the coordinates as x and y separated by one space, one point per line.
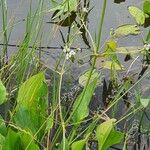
83 78
82 102
145 101
110 65
126 30
3 93
130 50
107 135
138 14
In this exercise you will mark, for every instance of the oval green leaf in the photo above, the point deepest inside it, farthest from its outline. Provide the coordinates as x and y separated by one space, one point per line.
126 30
78 145
84 77
107 135
138 14
145 101
110 65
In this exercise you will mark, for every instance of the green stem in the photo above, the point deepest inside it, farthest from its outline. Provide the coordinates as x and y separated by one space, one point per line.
101 24
94 61
59 103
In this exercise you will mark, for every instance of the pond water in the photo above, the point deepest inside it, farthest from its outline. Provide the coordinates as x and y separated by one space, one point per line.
116 14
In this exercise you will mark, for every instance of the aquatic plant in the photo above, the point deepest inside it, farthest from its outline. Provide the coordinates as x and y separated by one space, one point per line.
39 114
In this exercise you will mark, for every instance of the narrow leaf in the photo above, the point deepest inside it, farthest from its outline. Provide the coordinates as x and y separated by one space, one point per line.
82 102
3 93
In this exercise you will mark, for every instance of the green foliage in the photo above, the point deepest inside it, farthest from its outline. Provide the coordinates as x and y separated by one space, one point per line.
19 141
66 6
84 77
41 118
112 65
82 102
66 10
78 145
126 30
3 132
146 7
145 102
67 147
138 14
12 141
107 135
2 141
148 36
27 141
49 123
3 129
3 93
32 100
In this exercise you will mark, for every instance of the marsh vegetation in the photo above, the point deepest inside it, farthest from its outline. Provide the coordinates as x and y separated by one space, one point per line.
50 105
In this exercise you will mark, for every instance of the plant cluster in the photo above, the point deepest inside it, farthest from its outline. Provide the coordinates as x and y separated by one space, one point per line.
37 112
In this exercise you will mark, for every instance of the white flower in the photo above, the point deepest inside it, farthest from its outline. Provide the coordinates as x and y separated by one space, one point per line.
78 49
84 9
66 49
147 46
70 55
72 52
